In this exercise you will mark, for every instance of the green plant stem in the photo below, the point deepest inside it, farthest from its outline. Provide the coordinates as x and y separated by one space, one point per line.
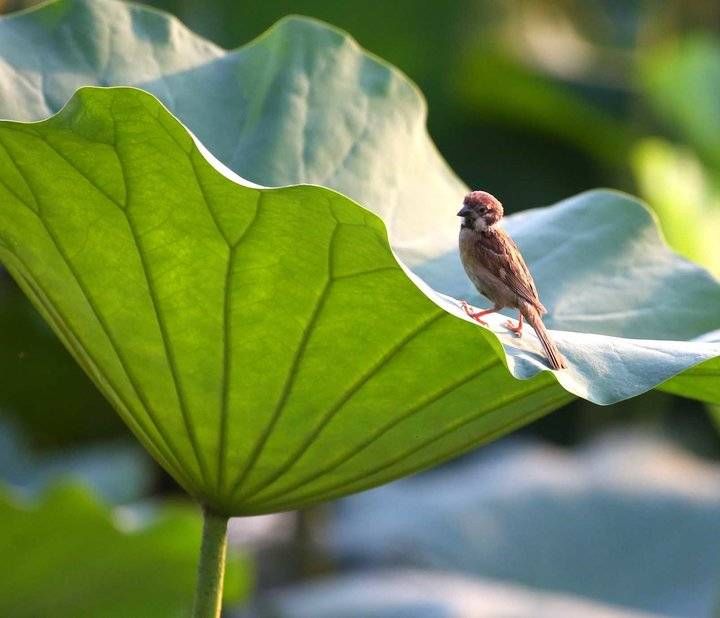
211 569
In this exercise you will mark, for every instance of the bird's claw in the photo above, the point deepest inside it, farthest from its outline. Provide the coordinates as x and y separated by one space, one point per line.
474 315
515 329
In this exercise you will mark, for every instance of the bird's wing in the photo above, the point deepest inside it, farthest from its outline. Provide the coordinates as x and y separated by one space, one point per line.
500 255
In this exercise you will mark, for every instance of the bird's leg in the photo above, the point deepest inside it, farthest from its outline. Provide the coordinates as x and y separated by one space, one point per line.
475 315
516 329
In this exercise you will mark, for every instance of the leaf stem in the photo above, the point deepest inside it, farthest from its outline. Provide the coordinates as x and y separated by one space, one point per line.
211 568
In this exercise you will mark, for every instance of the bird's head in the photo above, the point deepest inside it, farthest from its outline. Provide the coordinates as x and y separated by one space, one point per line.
480 211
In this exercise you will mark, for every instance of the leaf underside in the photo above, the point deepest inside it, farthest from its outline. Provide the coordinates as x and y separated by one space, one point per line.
264 344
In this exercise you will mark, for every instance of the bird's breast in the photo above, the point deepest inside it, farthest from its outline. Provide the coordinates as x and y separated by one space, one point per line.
474 268
485 280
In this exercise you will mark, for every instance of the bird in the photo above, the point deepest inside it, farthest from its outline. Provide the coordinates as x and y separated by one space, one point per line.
497 269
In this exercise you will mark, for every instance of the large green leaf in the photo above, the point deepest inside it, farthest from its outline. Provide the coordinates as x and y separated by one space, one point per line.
303 103
269 348
249 337
246 106
68 555
266 346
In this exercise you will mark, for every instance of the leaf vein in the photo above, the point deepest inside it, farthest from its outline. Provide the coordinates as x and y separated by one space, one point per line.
102 381
227 361
347 396
349 484
381 431
371 271
293 371
82 174
206 200
100 320
169 352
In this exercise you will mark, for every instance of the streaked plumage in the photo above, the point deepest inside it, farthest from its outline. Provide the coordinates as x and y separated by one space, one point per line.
496 267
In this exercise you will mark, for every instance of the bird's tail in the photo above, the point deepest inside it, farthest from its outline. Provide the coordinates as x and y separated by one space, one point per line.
556 359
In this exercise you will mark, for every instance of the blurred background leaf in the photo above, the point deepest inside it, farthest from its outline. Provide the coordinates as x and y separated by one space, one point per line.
67 409
67 554
416 593
684 197
681 79
628 521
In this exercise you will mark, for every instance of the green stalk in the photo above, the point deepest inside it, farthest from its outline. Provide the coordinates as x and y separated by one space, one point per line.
211 569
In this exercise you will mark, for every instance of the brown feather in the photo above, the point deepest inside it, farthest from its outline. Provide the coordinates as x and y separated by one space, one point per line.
497 252
556 359
496 267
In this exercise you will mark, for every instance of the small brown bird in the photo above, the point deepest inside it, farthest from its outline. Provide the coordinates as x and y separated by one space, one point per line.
495 266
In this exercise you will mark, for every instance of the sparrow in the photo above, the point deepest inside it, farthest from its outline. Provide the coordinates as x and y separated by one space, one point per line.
496 268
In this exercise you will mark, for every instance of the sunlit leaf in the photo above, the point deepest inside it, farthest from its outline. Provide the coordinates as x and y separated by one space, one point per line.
267 346
247 106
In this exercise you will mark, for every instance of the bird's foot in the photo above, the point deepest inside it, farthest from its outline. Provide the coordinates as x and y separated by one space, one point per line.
516 329
475 315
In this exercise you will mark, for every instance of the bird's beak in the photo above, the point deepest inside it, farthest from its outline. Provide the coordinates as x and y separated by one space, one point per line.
464 212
